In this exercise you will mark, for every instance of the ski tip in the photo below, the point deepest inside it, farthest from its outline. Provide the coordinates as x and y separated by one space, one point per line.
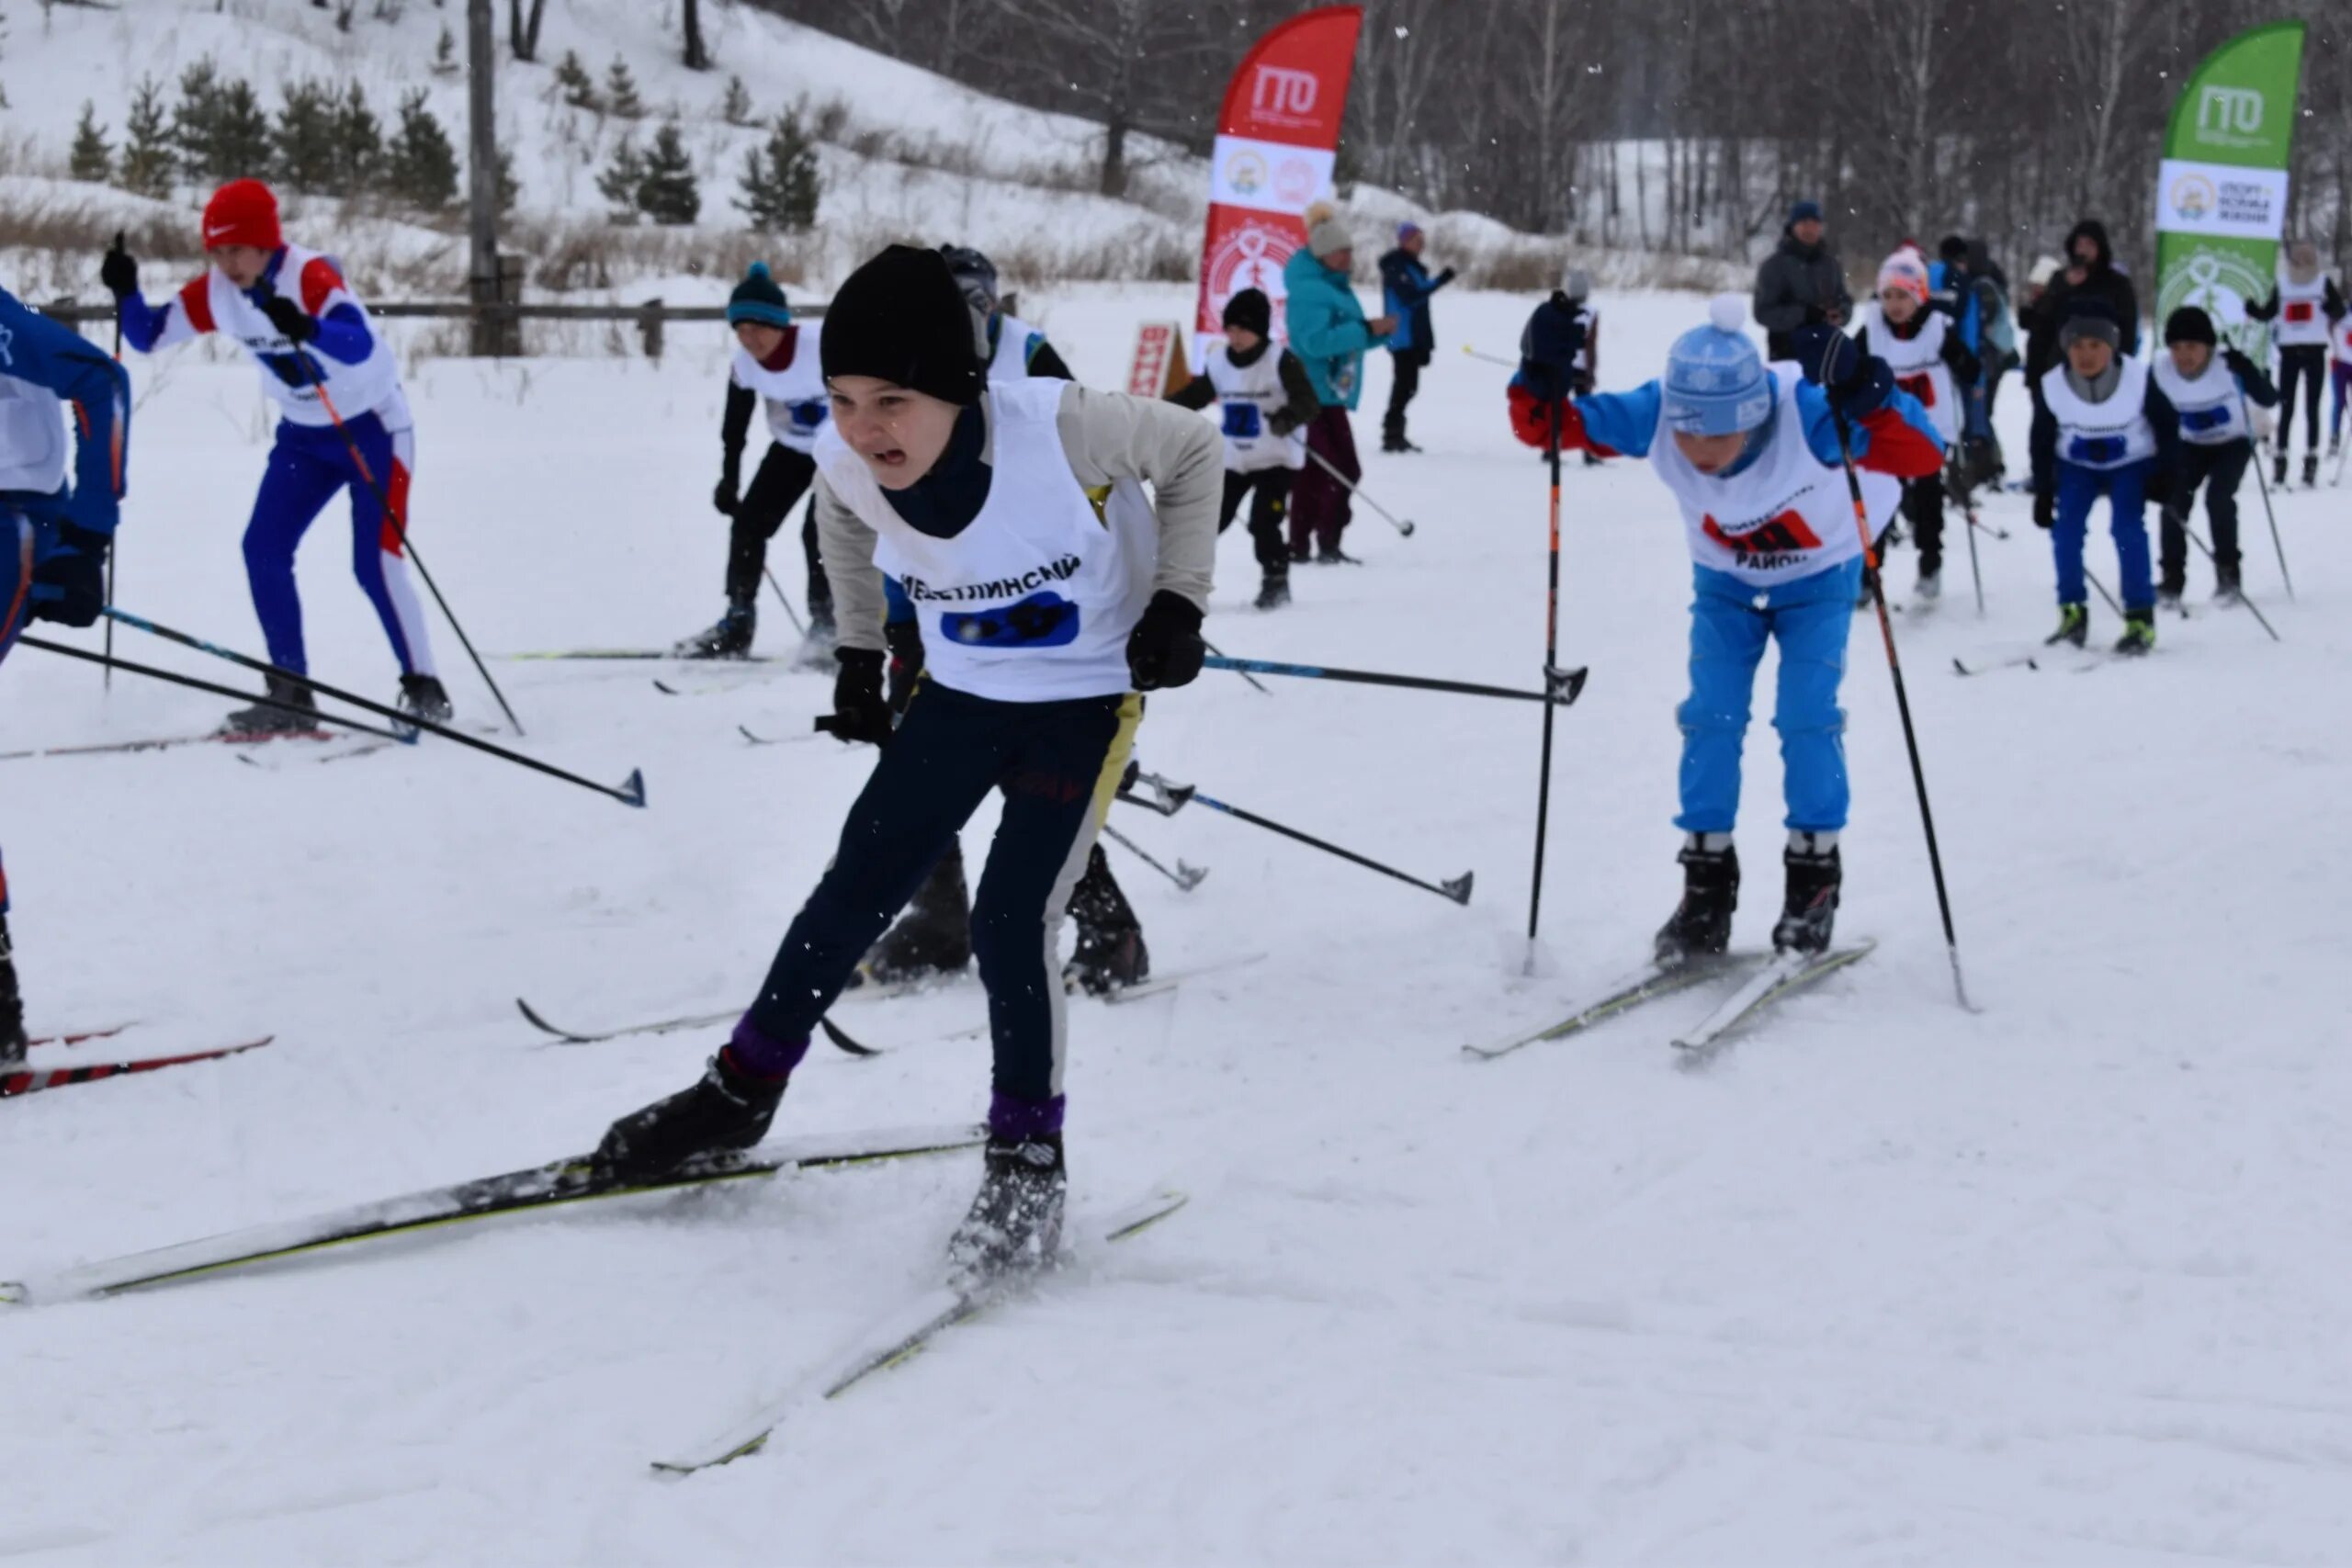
12 1294
1459 888
632 790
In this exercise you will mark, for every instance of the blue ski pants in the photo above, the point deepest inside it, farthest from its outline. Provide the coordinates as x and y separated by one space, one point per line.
2126 489
307 466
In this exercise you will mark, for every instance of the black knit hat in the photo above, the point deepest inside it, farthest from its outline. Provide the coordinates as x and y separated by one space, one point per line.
900 318
2190 325
1252 310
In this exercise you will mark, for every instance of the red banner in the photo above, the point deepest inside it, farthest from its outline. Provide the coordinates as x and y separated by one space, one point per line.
1276 142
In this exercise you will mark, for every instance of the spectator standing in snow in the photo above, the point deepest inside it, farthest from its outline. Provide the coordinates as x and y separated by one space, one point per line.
2090 274
1329 333
1406 287
1800 282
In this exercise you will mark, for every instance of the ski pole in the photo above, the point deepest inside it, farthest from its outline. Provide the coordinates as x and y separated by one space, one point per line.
1489 358
1566 684
191 681
631 791
2264 485
1551 667
1180 794
1975 572
1217 652
399 528
2112 602
1402 525
1979 526
1903 704
115 548
2249 603
793 614
1186 877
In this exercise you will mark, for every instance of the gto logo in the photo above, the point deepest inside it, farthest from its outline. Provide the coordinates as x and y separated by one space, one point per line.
1280 90
2231 110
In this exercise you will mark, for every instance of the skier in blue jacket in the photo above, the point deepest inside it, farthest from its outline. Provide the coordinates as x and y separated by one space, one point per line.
1405 288
53 537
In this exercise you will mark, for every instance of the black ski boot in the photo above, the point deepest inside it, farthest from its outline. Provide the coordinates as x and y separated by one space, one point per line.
2227 592
1274 593
422 696
2310 470
726 1109
2278 471
1809 909
1015 1222
263 722
12 1005
2074 627
1111 954
933 938
728 637
1701 927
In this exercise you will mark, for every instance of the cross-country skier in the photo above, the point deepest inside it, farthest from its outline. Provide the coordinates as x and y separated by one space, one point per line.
54 384
1924 349
1267 400
934 937
2104 427
775 369
2339 370
2208 391
320 361
1050 592
1752 453
2305 304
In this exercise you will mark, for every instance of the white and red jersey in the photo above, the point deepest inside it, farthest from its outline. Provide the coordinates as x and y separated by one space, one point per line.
290 377
2302 311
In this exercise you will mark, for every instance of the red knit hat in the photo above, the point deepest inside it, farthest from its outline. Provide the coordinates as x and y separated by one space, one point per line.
242 212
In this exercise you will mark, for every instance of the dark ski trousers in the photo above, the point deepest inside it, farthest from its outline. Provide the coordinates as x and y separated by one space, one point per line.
1923 506
1268 493
1058 765
2221 469
1408 364
2306 363
784 477
1319 503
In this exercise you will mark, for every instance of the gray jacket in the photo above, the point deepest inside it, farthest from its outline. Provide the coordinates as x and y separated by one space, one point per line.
1795 279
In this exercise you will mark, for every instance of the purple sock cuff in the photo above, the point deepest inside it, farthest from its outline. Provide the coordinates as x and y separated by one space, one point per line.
762 1056
1010 1118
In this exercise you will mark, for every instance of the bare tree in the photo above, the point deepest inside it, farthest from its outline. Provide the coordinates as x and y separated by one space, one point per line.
523 21
697 56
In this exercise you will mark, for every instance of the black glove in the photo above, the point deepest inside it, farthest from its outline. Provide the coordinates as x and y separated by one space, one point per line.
297 324
859 712
120 271
1858 383
2045 509
1442 278
1165 648
1549 346
70 587
723 497
905 639
2240 366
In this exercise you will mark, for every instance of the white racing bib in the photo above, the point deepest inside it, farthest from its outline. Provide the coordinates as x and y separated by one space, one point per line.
290 375
1784 516
1247 395
2212 413
1918 366
2112 435
2303 314
794 397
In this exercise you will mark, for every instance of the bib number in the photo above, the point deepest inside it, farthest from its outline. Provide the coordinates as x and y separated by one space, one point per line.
1243 421
297 369
809 416
1922 386
2300 311
2200 420
2097 451
1042 620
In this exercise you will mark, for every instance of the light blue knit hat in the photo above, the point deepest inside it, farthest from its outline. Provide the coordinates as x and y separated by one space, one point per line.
1715 382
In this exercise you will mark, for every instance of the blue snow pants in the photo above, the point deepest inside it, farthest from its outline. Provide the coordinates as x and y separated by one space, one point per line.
307 466
2126 489
1730 620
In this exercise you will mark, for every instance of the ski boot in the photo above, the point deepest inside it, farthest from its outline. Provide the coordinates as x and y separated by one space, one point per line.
2169 591
1398 446
728 637
264 722
1701 926
1333 555
1809 907
2310 470
2074 627
2278 471
1931 586
1111 954
2226 591
1015 1223
726 1109
12 1006
2139 633
934 938
422 696
1301 553
816 651
1274 593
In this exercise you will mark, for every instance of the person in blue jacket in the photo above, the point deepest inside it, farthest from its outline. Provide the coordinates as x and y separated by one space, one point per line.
1405 290
1329 331
53 537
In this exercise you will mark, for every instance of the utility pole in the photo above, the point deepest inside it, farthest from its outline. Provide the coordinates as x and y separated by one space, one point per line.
481 190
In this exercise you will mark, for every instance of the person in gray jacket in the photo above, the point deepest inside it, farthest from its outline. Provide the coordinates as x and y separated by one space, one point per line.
1799 283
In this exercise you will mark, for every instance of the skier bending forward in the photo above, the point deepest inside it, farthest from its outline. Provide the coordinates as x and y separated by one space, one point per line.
1050 592
1754 462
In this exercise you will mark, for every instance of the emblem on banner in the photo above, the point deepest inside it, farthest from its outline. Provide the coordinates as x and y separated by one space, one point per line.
1250 257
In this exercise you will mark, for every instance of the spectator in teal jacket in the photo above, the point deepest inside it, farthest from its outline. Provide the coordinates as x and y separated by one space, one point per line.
1329 331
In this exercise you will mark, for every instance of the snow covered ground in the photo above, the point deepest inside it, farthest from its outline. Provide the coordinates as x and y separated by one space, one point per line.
2062 1284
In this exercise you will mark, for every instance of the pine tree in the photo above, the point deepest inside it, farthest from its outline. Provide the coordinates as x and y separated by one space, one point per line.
242 145
620 92
195 117
735 109
579 88
91 159
444 53
220 127
421 171
304 138
147 164
510 189
358 143
620 179
668 193
779 182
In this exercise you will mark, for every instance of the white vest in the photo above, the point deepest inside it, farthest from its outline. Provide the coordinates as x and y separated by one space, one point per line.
2212 410
794 396
355 390
1010 361
2112 435
1249 395
1784 516
1032 602
33 438
1589 319
1918 365
2302 316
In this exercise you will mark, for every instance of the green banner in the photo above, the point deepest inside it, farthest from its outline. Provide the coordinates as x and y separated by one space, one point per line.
2221 192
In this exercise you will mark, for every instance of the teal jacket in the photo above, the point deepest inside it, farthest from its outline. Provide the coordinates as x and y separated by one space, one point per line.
1326 329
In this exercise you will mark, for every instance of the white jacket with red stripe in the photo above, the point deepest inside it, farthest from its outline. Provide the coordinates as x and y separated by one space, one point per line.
291 377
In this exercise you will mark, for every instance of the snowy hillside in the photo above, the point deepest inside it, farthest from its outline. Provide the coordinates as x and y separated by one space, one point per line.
2060 1284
